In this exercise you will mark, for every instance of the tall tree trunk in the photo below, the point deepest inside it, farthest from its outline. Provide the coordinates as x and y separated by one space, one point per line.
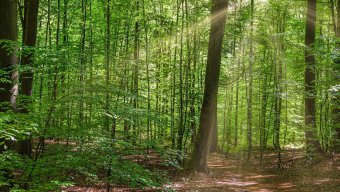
107 64
8 58
173 101
236 130
279 55
149 128
199 156
336 94
193 97
225 135
82 70
26 78
214 138
263 116
136 70
250 86
91 65
312 143
180 130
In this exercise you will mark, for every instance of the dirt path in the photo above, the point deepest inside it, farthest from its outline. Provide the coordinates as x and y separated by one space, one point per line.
233 174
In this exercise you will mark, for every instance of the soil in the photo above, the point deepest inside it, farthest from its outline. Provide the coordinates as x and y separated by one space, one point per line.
232 172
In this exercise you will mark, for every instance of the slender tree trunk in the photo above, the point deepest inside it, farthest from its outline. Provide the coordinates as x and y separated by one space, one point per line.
149 128
250 86
277 109
180 130
278 85
199 156
82 69
107 63
109 129
136 70
263 120
193 97
91 65
236 102
64 88
173 102
225 135
188 75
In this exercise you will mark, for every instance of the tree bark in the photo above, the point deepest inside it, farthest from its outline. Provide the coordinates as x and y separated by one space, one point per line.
250 86
214 139
8 57
107 63
198 161
26 78
136 50
312 143
336 81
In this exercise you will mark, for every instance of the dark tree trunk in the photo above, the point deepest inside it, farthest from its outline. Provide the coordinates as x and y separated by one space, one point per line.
336 79
214 139
336 94
198 161
26 78
8 58
312 142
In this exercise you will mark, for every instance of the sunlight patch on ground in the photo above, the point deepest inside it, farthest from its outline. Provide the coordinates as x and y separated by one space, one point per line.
260 190
321 181
223 167
216 165
236 182
286 185
259 176
178 185
235 175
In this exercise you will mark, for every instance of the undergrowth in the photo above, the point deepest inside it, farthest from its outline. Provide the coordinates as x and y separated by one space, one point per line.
63 166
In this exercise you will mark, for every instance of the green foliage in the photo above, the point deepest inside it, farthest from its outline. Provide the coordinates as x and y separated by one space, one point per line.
82 165
172 158
16 126
134 175
129 87
10 164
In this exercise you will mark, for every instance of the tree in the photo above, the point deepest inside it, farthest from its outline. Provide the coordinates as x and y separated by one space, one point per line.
250 85
8 56
26 78
336 99
312 142
214 137
198 161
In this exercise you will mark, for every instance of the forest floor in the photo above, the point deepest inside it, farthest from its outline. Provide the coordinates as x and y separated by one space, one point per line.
232 172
